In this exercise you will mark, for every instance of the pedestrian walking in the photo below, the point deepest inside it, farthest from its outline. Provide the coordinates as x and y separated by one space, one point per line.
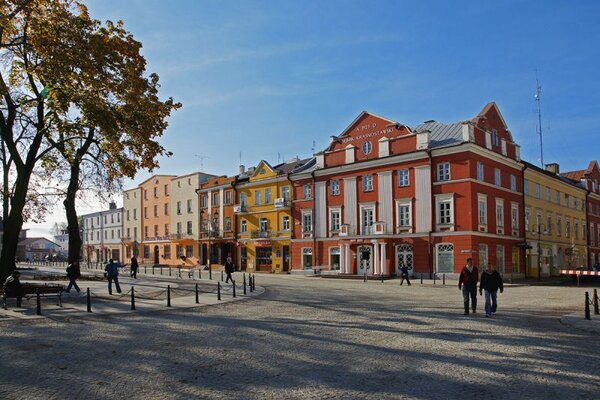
12 287
112 273
229 268
469 276
491 281
134 267
404 273
73 273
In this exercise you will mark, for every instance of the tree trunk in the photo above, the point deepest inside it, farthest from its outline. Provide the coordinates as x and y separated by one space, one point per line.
14 223
72 221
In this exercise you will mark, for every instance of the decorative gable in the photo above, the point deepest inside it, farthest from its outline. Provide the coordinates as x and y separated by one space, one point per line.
263 171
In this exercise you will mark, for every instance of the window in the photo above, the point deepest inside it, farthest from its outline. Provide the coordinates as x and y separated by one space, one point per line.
480 172
500 258
334 219
179 228
286 223
557 197
134 233
189 251
367 182
228 224
367 219
584 231
146 251
482 209
306 258
135 214
267 196
334 258
155 210
179 208
549 223
483 255
243 199
527 220
367 147
128 231
513 183
155 231
166 229
576 229
525 187
444 208
495 137
567 200
559 226
404 214
497 177
106 220
126 215
263 224
228 197
499 213
285 193
306 221
537 190
443 172
179 250
592 233
112 233
189 207
146 232
166 208
403 178
548 194
145 194
514 216
568 228
215 199
112 218
155 192
166 190
243 226
203 201
334 187
189 228
307 192
167 251
257 197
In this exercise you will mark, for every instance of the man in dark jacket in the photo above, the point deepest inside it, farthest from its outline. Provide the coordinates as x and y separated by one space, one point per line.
404 273
134 267
469 276
112 273
73 273
12 287
491 281
229 268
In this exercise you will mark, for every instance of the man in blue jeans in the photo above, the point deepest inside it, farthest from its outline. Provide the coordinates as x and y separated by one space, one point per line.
112 273
469 276
491 281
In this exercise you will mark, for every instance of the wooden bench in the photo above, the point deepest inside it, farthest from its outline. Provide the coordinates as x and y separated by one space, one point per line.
45 290
185 270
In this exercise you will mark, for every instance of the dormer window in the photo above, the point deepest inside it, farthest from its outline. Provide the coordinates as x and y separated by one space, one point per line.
495 137
367 147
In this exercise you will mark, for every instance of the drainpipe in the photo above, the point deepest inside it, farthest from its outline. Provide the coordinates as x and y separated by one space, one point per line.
523 220
314 235
292 226
433 215
587 227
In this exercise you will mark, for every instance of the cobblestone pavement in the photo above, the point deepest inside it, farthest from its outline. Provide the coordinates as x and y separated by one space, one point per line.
312 338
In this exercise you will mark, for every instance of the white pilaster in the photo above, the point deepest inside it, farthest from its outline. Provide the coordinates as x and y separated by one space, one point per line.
375 267
342 258
383 258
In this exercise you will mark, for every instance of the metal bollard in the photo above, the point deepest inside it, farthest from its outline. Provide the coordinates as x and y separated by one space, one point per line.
596 311
244 275
434 279
133 298
382 277
197 300
210 273
170 271
250 282
578 276
421 278
443 279
161 268
145 270
89 301
179 272
221 276
234 289
218 290
38 303
254 282
200 274
587 306
168 295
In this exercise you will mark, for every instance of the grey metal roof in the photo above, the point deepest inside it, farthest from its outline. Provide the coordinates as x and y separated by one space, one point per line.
442 134
309 166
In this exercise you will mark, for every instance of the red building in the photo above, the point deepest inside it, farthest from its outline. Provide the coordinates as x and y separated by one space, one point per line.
590 180
383 194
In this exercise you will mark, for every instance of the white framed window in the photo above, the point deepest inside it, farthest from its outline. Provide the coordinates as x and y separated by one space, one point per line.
499 213
497 177
307 221
549 223
267 196
203 201
307 192
334 187
537 191
257 201
190 229
335 219
243 226
403 178
483 255
178 208
367 147
513 183
548 194
178 228
285 223
263 224
500 258
367 219
568 227
495 140
527 220
285 193
482 209
443 171
444 206
404 213
480 172
525 187
558 226
514 217
190 209
228 197
307 257
367 183
334 258
227 224
243 199
215 201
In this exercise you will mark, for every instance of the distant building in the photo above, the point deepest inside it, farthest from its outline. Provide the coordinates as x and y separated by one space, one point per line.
62 240
102 233
36 248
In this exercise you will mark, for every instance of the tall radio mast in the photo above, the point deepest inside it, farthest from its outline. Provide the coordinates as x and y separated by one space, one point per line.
538 99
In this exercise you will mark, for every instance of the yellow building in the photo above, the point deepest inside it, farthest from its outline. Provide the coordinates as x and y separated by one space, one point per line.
554 206
264 216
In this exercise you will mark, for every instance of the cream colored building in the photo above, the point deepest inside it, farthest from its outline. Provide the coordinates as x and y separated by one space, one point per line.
132 222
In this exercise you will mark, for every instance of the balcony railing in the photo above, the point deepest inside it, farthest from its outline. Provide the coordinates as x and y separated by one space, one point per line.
239 208
281 203
259 234
181 235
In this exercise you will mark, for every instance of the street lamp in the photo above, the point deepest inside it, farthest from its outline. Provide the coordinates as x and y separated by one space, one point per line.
212 218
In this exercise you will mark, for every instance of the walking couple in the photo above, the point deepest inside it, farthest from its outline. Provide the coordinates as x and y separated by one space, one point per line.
491 281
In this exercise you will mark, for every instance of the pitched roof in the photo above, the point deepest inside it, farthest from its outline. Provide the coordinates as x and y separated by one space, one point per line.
288 167
442 134
575 175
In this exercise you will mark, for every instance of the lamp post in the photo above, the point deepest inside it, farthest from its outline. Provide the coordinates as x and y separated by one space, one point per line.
211 221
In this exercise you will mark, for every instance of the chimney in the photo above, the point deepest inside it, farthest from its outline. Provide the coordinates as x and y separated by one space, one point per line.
242 169
553 167
112 205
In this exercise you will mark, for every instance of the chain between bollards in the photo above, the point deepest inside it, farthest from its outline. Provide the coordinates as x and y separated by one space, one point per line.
89 301
587 306
38 303
218 290
168 295
234 289
244 275
133 298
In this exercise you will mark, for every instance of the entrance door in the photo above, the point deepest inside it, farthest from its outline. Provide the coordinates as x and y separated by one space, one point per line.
367 220
155 254
404 256
364 260
286 258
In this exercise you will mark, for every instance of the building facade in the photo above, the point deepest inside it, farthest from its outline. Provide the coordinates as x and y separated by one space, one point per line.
264 217
132 222
102 235
383 195
555 221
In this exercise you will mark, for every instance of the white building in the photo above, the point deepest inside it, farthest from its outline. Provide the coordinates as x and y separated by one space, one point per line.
132 222
102 233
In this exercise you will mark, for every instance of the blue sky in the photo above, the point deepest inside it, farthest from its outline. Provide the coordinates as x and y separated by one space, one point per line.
267 78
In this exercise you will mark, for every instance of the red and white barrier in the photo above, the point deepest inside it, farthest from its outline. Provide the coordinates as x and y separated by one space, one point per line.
576 272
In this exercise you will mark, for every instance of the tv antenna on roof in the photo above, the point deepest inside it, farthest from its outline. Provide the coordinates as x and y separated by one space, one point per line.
538 99
201 161
313 147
